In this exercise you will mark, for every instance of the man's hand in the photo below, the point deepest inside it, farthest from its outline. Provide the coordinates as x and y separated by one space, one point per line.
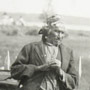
45 67
57 67
56 64
53 64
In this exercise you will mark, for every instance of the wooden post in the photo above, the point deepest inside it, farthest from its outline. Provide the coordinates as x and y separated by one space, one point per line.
8 60
80 68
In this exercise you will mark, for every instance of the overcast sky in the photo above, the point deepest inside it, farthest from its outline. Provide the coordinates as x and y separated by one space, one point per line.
63 7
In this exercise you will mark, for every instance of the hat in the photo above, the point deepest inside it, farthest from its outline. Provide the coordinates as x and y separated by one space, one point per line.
53 23
53 19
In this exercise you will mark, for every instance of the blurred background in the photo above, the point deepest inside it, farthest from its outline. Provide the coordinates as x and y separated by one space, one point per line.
20 21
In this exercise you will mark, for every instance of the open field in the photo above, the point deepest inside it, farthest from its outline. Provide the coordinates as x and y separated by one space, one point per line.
80 43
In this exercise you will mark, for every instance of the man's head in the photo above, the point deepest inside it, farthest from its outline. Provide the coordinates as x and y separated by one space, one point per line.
54 31
52 34
55 37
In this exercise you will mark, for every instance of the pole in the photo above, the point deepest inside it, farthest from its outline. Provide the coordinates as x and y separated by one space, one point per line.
80 68
8 60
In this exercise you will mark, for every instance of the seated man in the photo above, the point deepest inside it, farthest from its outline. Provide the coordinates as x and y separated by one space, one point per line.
47 64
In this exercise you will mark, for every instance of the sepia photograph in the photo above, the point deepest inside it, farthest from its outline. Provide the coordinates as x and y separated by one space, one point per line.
44 45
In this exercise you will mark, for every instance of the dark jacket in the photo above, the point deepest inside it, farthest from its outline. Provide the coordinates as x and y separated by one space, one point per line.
32 55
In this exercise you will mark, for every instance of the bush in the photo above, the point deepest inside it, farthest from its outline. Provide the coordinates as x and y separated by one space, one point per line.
33 30
83 34
21 30
9 30
10 33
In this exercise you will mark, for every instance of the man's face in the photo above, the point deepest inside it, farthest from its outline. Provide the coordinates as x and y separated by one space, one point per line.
55 37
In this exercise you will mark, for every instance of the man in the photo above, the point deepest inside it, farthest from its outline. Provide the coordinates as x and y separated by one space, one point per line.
46 65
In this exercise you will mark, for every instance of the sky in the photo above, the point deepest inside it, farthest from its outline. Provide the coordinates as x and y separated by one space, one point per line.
63 7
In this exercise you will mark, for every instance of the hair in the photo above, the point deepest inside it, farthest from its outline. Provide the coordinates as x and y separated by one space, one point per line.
44 39
46 30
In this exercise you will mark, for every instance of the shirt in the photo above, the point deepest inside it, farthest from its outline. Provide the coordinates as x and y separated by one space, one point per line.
49 82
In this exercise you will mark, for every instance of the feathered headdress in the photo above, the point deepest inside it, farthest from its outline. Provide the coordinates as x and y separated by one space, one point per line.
53 23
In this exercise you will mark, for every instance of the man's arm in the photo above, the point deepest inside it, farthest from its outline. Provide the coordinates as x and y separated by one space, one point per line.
21 67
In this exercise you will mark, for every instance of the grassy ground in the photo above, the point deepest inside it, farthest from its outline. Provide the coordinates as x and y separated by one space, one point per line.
80 45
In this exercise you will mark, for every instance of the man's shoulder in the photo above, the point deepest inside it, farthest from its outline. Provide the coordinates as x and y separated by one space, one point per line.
64 46
33 44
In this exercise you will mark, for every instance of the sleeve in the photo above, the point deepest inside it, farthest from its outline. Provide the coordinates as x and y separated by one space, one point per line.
70 78
20 68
